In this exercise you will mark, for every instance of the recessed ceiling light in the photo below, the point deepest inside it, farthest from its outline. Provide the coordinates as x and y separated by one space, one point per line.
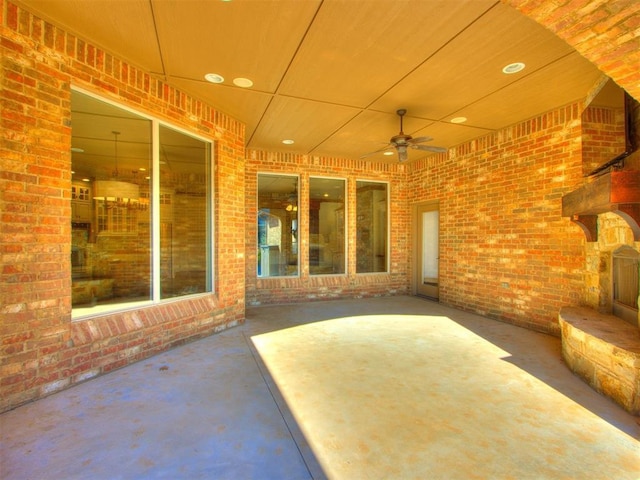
214 78
86 179
242 82
388 153
288 142
142 169
513 68
458 120
77 150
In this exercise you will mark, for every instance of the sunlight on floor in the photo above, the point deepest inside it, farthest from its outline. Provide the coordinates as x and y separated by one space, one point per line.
397 396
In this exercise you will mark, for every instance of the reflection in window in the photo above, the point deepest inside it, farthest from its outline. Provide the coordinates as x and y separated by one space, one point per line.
326 226
277 225
112 205
184 214
111 255
371 227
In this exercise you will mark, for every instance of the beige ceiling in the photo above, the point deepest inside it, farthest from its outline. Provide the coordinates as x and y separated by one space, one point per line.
331 74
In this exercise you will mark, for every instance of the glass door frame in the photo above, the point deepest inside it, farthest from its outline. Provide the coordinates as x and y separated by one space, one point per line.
418 287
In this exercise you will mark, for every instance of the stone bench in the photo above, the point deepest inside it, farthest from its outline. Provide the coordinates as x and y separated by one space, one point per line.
605 351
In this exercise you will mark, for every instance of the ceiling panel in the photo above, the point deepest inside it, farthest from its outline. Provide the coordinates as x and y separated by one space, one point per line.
305 121
250 39
243 104
331 74
563 82
470 67
368 132
448 135
127 30
356 50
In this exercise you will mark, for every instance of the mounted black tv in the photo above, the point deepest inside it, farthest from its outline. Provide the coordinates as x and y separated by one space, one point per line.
608 129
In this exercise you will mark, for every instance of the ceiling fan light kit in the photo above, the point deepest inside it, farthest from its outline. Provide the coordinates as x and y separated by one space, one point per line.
402 142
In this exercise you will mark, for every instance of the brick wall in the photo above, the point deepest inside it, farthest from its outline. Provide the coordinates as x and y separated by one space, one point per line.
603 136
41 349
307 287
506 252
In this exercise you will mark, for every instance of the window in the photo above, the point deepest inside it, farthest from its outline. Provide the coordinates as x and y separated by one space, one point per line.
136 238
185 199
326 226
371 227
277 225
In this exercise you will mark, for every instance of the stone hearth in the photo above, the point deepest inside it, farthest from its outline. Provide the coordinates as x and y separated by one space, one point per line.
605 351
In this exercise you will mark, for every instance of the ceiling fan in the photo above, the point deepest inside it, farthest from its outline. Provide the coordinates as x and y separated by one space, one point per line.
401 142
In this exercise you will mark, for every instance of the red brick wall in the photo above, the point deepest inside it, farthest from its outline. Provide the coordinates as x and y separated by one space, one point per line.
41 349
506 252
307 287
603 136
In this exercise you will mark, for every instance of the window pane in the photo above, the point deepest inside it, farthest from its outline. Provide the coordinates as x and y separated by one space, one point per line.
277 225
326 226
110 253
185 265
371 227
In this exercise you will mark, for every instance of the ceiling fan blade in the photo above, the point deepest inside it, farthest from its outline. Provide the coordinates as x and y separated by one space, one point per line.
420 140
401 142
377 151
428 148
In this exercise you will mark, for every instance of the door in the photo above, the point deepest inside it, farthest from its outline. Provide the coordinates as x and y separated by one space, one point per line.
427 249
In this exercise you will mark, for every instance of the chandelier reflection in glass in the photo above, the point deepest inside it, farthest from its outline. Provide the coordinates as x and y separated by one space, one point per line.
116 192
292 200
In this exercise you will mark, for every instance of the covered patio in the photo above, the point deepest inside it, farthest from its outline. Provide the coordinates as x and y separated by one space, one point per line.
395 387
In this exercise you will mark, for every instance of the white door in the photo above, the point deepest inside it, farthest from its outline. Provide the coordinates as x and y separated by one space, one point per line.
427 258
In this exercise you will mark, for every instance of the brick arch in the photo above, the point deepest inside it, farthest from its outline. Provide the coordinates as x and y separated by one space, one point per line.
605 33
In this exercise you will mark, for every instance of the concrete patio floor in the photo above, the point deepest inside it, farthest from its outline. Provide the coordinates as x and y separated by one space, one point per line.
387 388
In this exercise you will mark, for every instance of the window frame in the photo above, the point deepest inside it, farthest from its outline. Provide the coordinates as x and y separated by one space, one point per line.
155 214
298 179
388 225
345 224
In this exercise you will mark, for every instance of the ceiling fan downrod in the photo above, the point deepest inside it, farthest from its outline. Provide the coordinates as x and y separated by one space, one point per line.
401 112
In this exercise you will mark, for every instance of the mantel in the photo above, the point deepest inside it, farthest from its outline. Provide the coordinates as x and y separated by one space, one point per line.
617 192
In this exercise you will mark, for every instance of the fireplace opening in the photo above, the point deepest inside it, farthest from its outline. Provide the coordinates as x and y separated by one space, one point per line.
626 270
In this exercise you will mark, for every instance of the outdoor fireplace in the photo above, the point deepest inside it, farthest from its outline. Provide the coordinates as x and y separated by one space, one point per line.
601 340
